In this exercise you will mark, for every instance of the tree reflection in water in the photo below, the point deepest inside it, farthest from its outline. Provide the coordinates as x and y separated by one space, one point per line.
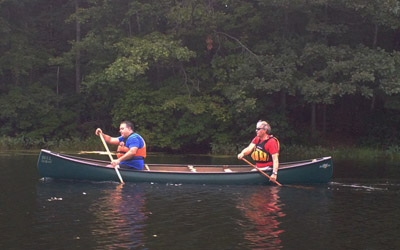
262 209
120 216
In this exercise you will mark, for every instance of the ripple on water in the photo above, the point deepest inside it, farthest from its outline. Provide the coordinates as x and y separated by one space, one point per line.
366 186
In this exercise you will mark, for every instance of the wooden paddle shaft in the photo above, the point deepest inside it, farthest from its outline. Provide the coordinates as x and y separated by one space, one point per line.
111 158
269 177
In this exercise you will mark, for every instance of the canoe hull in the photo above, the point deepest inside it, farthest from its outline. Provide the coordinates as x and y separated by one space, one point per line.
59 166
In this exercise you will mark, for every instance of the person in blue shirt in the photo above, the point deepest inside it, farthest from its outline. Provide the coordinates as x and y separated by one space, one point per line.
131 150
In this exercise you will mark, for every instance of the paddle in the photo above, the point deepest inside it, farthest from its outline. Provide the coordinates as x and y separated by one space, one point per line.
269 177
95 152
111 158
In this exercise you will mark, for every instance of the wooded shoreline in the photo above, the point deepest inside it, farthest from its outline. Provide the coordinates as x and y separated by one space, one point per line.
293 151
196 76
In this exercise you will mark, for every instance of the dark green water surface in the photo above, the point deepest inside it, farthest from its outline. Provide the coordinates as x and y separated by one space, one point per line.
358 209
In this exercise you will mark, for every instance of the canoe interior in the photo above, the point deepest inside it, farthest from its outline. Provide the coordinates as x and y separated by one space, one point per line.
166 167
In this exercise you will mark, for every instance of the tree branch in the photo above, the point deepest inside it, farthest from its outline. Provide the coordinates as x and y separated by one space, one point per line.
241 44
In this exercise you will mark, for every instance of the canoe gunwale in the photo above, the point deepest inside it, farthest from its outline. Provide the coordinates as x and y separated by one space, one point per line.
106 164
62 166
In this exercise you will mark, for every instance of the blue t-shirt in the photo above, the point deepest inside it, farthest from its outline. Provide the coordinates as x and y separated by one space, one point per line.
134 140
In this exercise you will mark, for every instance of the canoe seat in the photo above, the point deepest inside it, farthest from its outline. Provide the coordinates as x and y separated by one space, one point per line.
227 169
263 169
191 168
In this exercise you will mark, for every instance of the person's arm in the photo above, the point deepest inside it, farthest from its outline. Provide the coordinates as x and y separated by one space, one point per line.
107 138
127 156
246 151
275 166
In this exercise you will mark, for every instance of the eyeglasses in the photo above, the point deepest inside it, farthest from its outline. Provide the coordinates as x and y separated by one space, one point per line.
258 129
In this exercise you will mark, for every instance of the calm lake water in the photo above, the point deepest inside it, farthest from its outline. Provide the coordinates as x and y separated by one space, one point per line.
359 209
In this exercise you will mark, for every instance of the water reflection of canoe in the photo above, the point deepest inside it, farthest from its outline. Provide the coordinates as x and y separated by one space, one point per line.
60 166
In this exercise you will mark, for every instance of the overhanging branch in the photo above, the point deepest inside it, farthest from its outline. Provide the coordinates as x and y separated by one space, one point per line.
241 44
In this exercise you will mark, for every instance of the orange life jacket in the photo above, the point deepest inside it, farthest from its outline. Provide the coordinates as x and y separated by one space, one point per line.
122 149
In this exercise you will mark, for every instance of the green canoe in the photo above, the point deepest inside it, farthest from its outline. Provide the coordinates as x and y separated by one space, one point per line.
61 166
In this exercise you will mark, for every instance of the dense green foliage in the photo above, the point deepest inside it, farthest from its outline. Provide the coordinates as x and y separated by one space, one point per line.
197 75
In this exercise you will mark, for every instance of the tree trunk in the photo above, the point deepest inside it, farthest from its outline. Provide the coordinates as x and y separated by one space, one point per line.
324 119
139 27
373 100
58 81
313 120
78 53
283 100
375 36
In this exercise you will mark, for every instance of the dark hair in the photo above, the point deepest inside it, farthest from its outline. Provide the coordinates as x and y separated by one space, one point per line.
129 124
